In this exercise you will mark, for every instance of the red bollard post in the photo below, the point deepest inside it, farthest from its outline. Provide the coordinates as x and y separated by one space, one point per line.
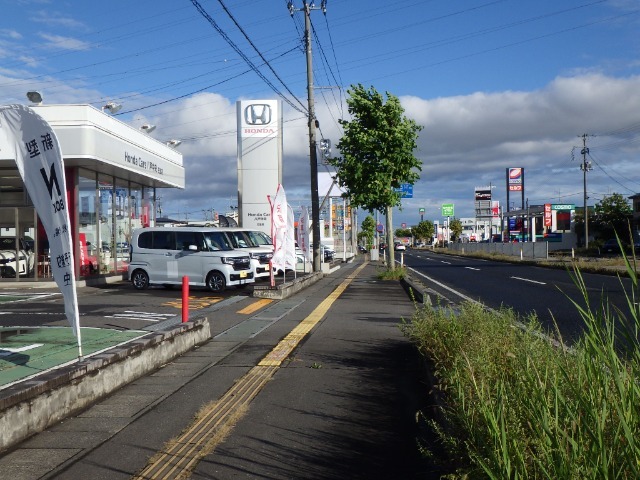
185 299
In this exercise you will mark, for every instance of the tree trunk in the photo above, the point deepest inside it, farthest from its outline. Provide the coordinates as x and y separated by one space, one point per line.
390 247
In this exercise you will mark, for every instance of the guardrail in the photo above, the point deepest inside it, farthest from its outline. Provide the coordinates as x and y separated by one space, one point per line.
519 249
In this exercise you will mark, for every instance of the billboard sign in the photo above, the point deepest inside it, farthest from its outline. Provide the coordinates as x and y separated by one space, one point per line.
483 194
547 215
515 179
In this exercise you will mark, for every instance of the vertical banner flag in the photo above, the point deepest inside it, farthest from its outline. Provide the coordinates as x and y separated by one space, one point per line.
278 229
303 234
39 160
290 242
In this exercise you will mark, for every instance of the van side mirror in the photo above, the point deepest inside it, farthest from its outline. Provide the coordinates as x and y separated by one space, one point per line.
193 248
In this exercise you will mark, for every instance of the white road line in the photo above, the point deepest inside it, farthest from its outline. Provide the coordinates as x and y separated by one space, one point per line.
142 316
442 261
472 268
442 285
529 280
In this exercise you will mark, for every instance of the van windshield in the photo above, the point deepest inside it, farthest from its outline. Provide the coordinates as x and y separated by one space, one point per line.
216 241
241 240
260 238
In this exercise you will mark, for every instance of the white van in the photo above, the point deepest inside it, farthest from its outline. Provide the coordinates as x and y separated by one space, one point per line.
260 254
163 255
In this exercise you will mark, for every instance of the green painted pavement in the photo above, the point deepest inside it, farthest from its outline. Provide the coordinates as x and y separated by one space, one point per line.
28 351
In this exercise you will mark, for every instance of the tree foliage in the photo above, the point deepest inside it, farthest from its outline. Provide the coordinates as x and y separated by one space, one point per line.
367 230
424 230
377 154
455 229
403 232
611 216
376 150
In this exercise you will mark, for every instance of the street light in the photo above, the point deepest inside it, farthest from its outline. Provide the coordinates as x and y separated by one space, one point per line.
112 107
34 97
147 128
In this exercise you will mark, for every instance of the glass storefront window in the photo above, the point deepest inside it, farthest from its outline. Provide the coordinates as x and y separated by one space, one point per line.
88 218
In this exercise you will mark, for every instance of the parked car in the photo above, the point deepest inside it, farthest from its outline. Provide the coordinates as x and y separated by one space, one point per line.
328 254
164 255
9 247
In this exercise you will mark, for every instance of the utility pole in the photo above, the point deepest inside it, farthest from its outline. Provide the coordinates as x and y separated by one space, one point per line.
585 167
313 157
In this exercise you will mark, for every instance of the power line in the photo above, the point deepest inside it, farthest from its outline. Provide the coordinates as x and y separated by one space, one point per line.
243 56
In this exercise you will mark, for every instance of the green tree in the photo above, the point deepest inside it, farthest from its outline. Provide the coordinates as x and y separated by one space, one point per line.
403 232
424 230
376 154
611 216
455 229
367 231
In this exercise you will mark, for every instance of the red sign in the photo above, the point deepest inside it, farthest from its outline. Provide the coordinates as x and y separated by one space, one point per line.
547 214
515 188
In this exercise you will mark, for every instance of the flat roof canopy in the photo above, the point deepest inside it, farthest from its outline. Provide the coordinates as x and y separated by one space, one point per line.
89 138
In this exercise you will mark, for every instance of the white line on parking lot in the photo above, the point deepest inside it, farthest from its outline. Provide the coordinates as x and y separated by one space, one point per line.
529 280
142 316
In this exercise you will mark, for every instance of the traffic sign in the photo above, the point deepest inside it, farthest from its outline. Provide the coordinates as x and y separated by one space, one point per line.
405 190
447 209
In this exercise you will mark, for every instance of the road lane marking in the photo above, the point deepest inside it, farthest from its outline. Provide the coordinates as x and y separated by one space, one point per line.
182 454
529 280
448 263
472 268
255 306
142 316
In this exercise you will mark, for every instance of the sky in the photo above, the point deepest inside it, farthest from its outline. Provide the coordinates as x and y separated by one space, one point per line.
495 84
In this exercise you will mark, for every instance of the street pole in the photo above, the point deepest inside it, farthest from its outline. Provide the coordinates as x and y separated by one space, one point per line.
585 167
313 156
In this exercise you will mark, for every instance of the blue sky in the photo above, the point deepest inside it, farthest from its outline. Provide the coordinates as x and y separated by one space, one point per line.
495 84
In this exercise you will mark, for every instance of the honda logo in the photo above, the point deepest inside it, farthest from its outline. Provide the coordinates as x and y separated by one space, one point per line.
257 114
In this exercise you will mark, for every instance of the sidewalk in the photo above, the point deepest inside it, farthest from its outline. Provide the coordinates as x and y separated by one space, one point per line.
340 404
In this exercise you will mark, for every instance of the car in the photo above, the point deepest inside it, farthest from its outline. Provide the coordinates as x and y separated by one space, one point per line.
205 256
328 254
9 247
399 246
610 247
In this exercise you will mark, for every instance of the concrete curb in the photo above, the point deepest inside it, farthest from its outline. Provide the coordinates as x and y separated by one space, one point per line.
31 406
417 291
285 290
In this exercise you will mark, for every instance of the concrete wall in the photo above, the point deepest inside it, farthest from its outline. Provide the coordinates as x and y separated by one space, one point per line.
33 405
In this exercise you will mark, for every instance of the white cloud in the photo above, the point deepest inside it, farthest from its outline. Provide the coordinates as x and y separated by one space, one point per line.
59 42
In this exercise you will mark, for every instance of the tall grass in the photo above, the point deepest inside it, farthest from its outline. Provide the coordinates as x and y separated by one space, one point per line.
519 405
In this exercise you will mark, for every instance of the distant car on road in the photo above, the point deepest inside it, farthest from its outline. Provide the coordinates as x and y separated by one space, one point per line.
399 246
610 247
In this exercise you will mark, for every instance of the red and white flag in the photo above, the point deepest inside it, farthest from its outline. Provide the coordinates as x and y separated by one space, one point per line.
278 229
303 234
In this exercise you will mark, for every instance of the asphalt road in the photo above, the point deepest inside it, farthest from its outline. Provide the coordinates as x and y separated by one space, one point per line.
547 292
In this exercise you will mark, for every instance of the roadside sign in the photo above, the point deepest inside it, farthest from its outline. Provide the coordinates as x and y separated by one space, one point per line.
421 210
405 190
447 209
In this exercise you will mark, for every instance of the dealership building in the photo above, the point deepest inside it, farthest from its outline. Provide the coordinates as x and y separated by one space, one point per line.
113 172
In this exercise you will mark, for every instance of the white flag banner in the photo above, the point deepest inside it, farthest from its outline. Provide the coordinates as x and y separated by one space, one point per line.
303 234
39 160
290 241
278 228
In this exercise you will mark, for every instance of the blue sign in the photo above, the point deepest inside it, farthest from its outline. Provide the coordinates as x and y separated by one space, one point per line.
405 190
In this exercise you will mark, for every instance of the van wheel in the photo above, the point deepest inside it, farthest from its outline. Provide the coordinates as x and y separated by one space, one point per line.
216 282
140 280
